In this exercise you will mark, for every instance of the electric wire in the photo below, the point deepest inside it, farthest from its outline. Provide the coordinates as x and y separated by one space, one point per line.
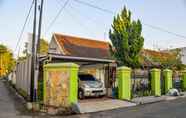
148 25
24 25
57 15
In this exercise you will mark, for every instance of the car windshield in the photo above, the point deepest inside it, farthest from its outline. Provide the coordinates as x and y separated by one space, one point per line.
87 78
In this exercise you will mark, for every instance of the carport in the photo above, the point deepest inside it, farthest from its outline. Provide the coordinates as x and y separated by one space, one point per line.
93 57
102 69
106 66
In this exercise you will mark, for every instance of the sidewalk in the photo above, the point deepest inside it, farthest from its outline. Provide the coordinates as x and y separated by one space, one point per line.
102 105
152 99
147 99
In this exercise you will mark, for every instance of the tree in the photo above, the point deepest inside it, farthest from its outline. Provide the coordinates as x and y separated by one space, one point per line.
7 62
126 38
43 47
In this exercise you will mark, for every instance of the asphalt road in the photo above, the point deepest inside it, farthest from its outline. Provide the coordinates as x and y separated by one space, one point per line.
166 109
11 106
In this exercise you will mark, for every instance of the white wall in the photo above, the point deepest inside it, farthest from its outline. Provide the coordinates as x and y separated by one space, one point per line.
96 70
183 53
53 47
23 75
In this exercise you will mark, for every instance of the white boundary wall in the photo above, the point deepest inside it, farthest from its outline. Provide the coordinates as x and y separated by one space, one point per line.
23 71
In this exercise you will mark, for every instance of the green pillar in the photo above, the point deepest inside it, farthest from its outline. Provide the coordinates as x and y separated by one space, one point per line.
73 92
167 79
155 82
184 80
124 83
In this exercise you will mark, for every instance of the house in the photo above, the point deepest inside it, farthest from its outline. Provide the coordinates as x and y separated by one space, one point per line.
151 58
182 51
93 56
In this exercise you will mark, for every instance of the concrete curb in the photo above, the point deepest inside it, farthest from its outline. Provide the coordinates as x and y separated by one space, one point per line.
147 100
153 99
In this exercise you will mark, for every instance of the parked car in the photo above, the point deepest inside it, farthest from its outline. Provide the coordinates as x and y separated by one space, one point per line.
90 86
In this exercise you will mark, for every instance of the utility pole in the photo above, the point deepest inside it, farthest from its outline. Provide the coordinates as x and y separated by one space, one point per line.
38 44
32 79
40 24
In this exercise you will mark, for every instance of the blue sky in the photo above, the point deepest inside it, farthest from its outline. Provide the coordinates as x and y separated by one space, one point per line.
83 21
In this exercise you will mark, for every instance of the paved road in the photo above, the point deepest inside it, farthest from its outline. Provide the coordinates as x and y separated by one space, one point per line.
11 106
167 109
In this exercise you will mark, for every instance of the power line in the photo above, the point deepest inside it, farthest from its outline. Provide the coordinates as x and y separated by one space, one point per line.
82 25
74 17
85 16
164 30
111 12
58 14
94 6
24 25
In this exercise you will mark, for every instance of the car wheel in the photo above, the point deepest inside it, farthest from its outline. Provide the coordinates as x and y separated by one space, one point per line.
81 94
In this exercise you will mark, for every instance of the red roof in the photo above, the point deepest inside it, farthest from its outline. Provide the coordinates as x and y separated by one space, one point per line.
83 47
154 58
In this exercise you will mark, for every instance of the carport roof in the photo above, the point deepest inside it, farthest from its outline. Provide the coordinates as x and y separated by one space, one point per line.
79 59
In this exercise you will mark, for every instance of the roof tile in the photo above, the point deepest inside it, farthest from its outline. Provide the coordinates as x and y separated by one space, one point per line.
82 47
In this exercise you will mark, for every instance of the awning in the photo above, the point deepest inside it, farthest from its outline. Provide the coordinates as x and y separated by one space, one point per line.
79 59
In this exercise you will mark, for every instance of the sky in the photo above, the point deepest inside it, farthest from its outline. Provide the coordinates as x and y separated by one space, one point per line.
83 21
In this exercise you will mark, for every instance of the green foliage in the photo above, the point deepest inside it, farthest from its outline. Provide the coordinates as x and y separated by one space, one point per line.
40 90
43 47
22 93
175 62
126 39
7 62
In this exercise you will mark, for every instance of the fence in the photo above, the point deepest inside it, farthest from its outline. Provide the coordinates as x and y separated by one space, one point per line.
141 85
177 80
23 76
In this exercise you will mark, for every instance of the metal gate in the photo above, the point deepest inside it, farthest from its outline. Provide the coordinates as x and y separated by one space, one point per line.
177 82
141 83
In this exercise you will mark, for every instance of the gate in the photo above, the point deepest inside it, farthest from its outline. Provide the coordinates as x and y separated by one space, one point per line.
177 82
141 83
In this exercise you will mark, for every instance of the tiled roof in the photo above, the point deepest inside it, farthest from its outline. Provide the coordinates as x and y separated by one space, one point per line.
82 47
150 56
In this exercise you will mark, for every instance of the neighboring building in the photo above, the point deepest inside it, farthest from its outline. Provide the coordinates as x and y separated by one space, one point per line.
151 58
182 51
183 54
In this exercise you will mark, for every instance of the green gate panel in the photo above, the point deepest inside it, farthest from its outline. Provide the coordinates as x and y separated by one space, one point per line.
155 82
184 80
124 83
60 84
167 78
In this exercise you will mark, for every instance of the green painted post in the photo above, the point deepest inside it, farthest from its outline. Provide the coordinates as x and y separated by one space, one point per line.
124 83
184 80
155 82
167 78
73 93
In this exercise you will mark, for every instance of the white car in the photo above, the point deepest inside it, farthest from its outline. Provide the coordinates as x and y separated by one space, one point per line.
90 86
